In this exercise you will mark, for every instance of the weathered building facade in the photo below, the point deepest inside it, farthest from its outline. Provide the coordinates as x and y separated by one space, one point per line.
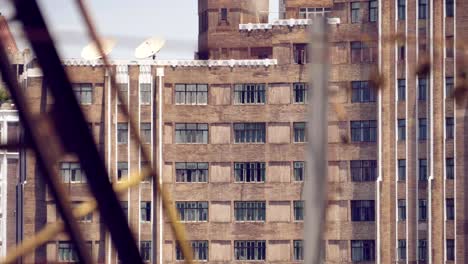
9 168
228 137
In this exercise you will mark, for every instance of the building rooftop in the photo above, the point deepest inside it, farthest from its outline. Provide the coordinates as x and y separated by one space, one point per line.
284 23
176 63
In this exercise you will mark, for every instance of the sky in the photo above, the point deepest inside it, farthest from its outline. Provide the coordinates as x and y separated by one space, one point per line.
130 22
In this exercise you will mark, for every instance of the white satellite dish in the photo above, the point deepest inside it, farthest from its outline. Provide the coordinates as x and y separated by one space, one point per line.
149 47
91 51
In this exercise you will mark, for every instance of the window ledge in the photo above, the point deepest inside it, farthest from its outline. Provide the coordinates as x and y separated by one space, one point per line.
249 182
252 104
191 104
249 143
189 143
191 182
244 222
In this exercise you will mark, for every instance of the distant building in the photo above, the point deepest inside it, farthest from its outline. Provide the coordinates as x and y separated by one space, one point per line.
9 158
234 138
9 168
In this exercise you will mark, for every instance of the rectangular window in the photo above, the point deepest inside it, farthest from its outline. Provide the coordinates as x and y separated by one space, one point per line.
122 170
449 127
191 133
249 211
300 132
191 94
362 92
145 211
449 47
373 11
355 12
300 54
300 93
401 52
199 250
449 169
448 86
422 211
449 8
362 210
401 249
223 15
123 89
250 249
145 132
364 131
362 250
67 252
145 166
298 210
423 169
422 9
145 250
401 210
192 211
122 133
71 172
83 92
401 169
422 131
422 89
311 12
191 171
86 218
298 250
124 205
249 132
251 93
450 211
299 170
362 52
422 46
249 171
450 249
401 129
356 51
145 93
422 249
401 89
363 170
401 9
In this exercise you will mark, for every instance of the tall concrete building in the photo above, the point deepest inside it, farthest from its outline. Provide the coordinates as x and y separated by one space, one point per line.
228 137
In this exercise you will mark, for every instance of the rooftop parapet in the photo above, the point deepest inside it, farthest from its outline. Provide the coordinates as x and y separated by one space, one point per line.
177 63
284 23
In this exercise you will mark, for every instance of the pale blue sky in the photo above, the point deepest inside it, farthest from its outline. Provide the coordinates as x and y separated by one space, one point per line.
129 21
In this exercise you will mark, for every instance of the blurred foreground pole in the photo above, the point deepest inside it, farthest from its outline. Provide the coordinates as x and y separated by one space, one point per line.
316 180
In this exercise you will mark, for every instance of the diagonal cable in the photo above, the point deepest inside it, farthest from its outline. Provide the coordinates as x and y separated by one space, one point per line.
73 126
45 157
